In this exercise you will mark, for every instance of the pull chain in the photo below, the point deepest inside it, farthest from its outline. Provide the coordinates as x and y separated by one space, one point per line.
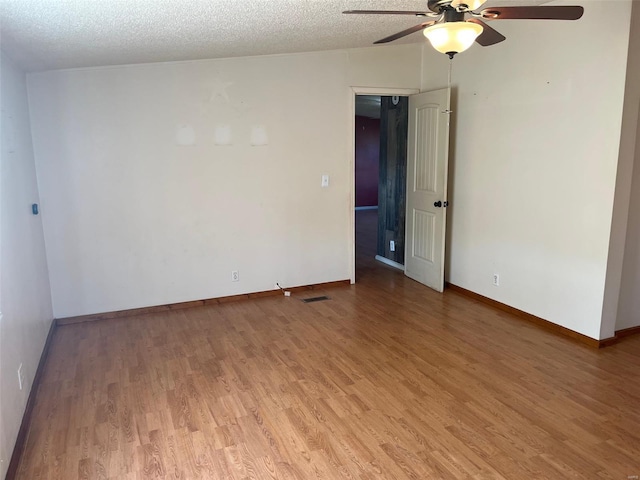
448 110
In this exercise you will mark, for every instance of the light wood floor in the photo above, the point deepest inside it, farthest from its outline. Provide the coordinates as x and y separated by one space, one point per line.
385 380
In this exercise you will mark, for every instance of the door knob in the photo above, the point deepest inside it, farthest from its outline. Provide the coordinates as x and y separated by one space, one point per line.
437 204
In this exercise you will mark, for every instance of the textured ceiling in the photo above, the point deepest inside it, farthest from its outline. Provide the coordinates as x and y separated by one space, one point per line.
54 34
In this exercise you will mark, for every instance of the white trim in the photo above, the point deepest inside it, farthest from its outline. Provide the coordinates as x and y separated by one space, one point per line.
372 207
391 263
353 91
352 181
384 92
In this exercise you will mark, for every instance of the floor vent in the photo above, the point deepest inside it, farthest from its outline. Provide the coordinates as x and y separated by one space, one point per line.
315 299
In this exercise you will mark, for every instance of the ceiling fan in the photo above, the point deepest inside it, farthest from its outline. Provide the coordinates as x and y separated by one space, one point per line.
457 24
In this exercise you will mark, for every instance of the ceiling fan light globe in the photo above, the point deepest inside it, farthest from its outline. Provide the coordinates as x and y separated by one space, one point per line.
470 4
452 37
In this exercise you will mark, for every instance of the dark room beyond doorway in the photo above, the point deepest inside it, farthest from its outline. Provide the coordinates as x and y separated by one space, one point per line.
380 179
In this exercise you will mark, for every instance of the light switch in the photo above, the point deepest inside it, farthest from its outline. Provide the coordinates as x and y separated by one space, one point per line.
325 181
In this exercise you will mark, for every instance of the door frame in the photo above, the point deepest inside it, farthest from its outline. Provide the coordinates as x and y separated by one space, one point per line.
354 91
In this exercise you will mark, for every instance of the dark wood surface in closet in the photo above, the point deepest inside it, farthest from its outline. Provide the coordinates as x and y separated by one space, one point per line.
394 121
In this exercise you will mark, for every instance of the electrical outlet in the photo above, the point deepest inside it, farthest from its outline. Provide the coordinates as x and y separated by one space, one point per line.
21 377
235 276
392 246
496 279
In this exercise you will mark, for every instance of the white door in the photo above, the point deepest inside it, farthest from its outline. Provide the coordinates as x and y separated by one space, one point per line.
427 166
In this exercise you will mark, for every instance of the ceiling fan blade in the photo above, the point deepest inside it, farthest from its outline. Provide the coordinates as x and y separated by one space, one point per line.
489 35
533 13
404 33
388 12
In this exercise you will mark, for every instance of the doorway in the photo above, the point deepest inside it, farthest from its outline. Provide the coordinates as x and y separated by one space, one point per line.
417 155
381 128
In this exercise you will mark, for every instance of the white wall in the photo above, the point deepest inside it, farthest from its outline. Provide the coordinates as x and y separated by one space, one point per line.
627 314
537 131
132 218
25 299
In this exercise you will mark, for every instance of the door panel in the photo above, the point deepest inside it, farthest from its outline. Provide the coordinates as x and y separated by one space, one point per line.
427 166
423 234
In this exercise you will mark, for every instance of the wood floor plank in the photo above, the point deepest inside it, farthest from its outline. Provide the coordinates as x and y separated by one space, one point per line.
385 380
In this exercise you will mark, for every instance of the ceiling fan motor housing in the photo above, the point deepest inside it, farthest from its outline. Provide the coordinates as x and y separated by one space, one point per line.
452 15
439 6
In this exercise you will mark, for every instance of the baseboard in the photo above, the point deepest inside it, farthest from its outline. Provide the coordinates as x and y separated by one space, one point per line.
625 332
541 322
23 432
391 263
196 303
